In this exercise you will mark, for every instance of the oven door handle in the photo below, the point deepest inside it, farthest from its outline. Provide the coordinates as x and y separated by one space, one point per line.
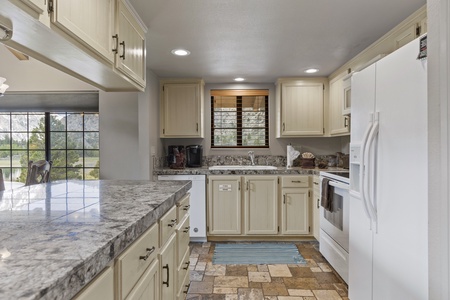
339 185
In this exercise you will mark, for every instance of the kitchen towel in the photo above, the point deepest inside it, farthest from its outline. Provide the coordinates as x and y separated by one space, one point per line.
327 195
257 253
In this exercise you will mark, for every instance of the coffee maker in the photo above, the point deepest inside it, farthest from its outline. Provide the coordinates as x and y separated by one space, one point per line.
173 150
194 156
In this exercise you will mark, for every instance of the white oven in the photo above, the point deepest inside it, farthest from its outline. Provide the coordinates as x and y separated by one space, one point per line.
334 223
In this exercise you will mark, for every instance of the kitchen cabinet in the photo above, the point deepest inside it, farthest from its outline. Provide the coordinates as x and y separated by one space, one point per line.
130 51
266 209
224 205
295 205
181 109
88 22
300 107
101 287
261 205
168 268
148 287
339 98
316 206
410 33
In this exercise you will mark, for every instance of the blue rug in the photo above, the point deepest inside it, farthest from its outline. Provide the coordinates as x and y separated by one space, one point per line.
257 254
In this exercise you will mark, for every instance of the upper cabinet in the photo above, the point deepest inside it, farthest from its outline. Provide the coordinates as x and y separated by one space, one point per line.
300 107
89 22
339 99
181 108
100 42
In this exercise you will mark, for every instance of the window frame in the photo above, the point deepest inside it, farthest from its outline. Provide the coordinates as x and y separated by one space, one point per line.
239 94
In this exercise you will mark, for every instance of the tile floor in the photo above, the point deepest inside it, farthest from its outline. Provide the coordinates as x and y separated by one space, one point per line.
315 280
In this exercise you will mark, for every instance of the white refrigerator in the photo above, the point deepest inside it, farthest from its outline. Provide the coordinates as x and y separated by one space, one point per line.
388 179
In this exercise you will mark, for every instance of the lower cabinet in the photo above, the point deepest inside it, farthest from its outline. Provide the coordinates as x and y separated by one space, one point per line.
154 267
258 205
316 206
261 205
224 205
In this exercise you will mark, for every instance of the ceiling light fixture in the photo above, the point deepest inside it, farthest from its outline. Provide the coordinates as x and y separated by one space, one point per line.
3 86
311 71
180 52
239 79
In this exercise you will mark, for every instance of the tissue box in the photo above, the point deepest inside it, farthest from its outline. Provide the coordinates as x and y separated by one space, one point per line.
307 163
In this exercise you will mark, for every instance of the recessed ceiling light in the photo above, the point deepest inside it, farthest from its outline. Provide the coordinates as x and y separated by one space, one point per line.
239 79
180 52
310 71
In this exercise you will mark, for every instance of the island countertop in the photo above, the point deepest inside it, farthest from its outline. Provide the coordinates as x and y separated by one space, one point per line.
56 237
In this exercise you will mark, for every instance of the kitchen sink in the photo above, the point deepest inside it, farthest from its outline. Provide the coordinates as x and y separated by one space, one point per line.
241 167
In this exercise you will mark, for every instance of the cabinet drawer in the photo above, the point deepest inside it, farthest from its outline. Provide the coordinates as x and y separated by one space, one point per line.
135 260
184 288
183 207
183 269
167 225
295 181
148 286
101 287
182 239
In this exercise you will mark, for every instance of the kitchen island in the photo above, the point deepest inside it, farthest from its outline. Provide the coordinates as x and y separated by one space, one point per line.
56 237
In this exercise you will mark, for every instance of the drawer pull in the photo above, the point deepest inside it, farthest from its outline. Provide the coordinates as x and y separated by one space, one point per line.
187 265
167 268
174 222
186 229
186 207
297 181
187 288
149 252
316 183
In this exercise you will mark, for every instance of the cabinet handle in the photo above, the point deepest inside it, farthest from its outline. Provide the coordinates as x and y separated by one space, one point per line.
167 268
186 207
318 205
186 229
116 37
187 265
284 127
187 288
247 186
174 222
123 50
296 181
197 127
149 252
316 183
345 122
239 186
284 199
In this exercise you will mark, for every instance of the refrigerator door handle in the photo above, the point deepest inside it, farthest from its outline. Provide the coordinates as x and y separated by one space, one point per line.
370 159
362 169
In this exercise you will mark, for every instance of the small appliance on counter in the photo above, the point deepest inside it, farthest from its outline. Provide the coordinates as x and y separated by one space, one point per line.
176 157
194 156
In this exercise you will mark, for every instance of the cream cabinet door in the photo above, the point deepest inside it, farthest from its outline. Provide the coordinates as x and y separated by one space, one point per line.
90 22
261 205
101 287
224 205
148 286
316 207
302 109
182 113
339 124
295 211
131 54
406 36
168 269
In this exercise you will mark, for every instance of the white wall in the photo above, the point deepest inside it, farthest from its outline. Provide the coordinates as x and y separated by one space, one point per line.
149 142
317 145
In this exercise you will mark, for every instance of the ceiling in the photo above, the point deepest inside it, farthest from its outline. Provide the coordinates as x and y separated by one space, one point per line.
262 40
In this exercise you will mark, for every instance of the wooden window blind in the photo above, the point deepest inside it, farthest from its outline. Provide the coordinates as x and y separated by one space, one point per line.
240 118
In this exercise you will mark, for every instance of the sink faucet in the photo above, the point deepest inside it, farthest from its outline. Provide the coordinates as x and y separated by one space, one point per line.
252 157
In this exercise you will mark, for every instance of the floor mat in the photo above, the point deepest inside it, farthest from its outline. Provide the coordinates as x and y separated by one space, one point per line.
257 253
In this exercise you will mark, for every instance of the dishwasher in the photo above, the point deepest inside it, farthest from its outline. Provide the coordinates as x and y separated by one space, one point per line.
197 231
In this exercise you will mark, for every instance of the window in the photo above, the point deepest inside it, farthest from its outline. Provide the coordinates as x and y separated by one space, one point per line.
70 140
240 118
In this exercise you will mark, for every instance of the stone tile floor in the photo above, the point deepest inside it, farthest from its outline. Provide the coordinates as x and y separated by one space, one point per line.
315 280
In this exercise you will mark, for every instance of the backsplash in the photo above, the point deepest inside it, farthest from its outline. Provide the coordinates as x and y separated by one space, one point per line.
270 160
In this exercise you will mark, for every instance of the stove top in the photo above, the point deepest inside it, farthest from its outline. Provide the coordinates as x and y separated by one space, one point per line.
343 175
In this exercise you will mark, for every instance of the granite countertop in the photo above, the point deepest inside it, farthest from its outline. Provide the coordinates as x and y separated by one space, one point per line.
56 237
278 171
